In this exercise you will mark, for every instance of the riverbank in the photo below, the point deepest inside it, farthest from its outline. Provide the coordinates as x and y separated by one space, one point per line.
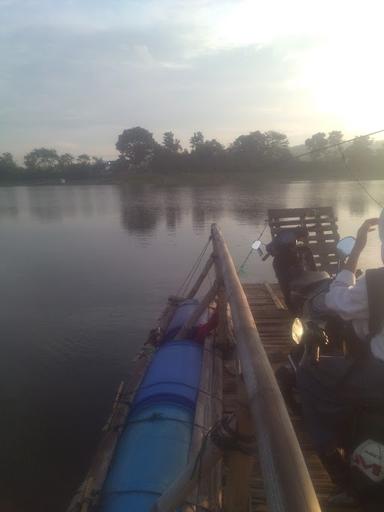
197 178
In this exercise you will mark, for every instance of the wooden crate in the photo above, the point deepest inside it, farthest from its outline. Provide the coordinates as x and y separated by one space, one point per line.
322 228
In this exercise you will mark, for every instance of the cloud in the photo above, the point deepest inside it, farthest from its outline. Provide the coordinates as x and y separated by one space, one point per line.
76 73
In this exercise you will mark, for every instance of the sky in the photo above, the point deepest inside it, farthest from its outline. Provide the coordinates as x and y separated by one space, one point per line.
75 73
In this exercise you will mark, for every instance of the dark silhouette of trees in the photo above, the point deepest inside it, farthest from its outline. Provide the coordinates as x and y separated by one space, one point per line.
136 145
257 149
257 152
317 143
8 166
170 143
41 158
208 155
7 161
360 152
277 145
196 140
84 159
335 137
66 160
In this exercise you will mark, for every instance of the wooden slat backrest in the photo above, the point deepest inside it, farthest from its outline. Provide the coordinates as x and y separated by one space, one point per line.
322 228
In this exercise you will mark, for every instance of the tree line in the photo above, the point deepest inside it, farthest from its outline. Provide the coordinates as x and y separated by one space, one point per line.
256 152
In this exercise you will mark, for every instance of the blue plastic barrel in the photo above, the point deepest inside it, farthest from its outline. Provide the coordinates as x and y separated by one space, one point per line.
182 314
173 375
151 453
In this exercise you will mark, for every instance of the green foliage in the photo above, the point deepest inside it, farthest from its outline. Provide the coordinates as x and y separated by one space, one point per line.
335 137
41 158
317 143
84 159
66 160
170 143
8 166
360 152
257 149
7 161
136 145
196 140
257 152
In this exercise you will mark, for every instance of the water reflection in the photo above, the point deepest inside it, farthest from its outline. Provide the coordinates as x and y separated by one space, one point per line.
75 269
143 208
8 203
140 219
358 202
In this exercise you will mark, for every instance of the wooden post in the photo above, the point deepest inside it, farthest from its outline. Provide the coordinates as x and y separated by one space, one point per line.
287 482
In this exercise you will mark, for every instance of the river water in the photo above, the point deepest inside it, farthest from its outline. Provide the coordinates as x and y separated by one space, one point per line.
84 272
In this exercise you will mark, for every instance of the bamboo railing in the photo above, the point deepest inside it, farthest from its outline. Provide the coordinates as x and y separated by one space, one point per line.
288 486
287 482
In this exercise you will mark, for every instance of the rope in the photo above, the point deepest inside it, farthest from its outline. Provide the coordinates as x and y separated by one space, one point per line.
338 144
241 267
363 187
160 417
184 286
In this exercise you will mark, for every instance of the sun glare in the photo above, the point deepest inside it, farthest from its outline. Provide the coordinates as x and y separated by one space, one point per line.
338 52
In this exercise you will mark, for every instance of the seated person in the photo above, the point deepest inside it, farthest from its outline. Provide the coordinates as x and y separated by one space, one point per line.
332 389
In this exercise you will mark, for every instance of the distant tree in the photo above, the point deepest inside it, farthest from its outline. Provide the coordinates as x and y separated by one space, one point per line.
196 140
170 143
8 165
360 151
335 137
7 161
136 145
213 146
277 145
84 159
208 156
257 149
251 144
66 160
317 143
41 158
209 148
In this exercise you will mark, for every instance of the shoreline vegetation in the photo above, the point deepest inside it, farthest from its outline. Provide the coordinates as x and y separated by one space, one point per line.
258 155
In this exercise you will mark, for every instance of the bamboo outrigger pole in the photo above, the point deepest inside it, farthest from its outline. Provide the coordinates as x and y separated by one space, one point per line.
287 482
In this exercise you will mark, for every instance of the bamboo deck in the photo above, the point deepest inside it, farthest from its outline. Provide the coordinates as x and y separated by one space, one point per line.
274 328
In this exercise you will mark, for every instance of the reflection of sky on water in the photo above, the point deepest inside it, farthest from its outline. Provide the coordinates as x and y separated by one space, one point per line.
85 270
148 212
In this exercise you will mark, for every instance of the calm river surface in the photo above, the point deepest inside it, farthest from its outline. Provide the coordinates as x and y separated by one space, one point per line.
84 272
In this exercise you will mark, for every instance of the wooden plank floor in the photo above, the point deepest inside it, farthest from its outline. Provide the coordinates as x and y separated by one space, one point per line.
273 324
